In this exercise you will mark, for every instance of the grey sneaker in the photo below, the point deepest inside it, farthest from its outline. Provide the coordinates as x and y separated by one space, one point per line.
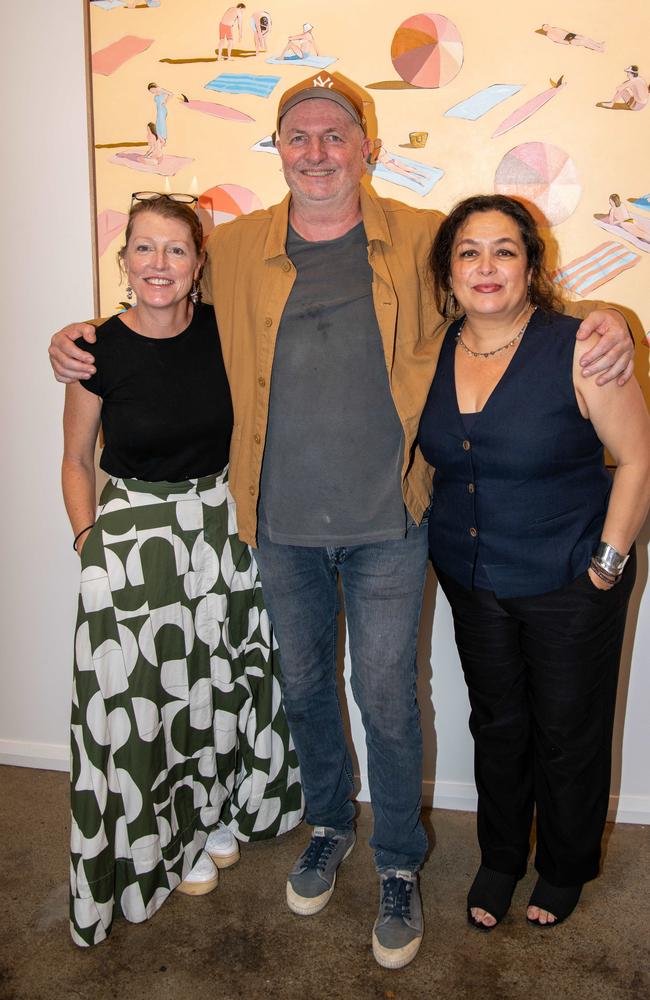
397 934
312 879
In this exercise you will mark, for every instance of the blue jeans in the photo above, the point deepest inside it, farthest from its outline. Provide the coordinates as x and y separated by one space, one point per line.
382 589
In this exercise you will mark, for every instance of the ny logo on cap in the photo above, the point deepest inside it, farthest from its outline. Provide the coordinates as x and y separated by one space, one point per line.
319 81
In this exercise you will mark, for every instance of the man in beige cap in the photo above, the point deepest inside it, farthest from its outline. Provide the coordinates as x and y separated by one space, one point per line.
328 328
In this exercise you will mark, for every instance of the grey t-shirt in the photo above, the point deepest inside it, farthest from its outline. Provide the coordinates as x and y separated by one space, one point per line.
332 463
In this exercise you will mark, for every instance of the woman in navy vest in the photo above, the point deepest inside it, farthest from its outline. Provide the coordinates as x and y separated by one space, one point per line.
532 542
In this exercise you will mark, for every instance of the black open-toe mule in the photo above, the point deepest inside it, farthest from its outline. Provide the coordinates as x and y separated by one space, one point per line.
559 900
491 891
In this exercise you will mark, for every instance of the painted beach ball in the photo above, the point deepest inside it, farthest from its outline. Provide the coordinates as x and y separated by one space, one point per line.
545 176
225 202
427 50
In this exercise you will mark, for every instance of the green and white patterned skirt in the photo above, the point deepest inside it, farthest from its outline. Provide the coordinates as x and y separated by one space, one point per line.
177 717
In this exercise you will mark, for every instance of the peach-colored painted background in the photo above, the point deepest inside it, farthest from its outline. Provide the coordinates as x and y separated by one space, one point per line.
610 149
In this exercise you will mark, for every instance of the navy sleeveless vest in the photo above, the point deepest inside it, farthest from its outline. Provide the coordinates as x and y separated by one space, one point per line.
526 492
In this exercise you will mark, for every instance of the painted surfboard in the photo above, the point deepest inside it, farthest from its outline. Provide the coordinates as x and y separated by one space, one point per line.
529 108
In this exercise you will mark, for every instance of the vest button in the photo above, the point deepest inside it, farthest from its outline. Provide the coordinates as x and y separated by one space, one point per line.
261 381
251 490
256 438
286 266
473 532
471 488
268 321
466 445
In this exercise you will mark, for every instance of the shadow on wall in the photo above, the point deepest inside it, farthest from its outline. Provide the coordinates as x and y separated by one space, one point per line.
622 692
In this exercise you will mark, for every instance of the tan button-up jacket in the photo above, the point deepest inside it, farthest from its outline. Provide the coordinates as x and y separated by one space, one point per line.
249 268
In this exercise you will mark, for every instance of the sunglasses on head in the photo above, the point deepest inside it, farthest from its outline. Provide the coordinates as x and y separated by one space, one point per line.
182 199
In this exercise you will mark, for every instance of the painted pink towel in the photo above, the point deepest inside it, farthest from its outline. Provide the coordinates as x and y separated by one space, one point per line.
107 60
217 110
109 225
593 269
168 166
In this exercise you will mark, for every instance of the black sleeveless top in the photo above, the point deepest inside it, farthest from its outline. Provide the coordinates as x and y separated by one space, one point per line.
166 408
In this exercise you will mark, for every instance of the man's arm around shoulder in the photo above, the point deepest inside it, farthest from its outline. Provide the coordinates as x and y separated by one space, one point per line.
69 362
613 355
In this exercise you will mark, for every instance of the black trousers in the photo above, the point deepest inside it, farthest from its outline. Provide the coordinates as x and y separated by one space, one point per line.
542 673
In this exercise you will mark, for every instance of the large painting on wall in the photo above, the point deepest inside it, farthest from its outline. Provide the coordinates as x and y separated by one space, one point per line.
183 99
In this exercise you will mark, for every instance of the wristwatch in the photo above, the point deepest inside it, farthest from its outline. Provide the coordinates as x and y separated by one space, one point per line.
609 560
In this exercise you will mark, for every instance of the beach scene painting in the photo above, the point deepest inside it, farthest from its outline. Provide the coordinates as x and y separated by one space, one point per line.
183 98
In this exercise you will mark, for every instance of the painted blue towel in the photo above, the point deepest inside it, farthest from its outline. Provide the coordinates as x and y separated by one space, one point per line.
421 182
482 101
243 83
643 202
314 62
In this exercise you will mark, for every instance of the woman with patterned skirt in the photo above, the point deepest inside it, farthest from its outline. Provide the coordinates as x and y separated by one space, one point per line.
179 739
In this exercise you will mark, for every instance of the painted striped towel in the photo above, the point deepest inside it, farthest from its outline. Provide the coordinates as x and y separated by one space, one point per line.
584 274
243 83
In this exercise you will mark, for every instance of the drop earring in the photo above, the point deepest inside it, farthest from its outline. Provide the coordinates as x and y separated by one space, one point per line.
129 292
194 294
452 300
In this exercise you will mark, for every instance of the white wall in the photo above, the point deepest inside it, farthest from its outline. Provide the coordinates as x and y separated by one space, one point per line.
45 260
45 256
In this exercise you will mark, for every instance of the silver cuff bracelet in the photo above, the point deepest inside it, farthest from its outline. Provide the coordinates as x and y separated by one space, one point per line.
609 559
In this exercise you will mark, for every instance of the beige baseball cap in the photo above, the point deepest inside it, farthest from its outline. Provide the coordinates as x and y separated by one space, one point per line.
326 87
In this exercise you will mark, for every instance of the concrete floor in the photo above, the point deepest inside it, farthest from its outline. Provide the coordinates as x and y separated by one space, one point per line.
241 942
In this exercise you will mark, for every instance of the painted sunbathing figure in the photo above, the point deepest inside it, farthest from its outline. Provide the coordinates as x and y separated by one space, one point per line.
564 37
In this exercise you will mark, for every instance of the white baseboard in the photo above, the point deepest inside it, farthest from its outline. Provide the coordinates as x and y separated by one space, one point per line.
46 756
461 797
629 809
456 795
